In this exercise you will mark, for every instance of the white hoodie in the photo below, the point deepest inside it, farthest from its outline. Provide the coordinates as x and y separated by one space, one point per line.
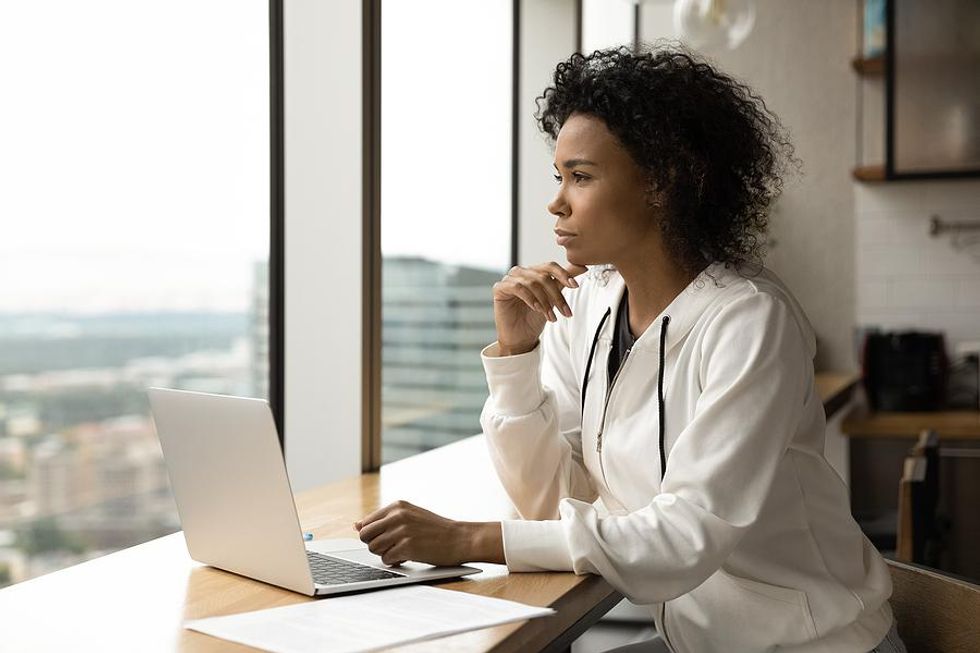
745 542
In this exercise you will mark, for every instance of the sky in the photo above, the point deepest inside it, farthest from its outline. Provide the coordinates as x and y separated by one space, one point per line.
446 131
134 167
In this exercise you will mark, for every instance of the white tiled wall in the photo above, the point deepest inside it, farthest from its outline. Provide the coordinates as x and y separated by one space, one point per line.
906 278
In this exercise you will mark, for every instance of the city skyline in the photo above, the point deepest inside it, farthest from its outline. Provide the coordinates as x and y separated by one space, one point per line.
178 294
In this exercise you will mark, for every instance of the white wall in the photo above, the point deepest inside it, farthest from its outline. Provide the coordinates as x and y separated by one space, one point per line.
323 240
905 277
607 23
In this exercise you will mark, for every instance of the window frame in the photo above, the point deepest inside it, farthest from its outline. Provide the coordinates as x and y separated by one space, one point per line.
277 204
371 217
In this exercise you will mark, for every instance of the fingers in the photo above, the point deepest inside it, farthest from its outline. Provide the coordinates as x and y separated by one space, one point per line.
513 286
384 534
396 555
368 533
544 288
390 547
554 276
540 287
565 276
380 545
381 513
382 538
541 302
373 517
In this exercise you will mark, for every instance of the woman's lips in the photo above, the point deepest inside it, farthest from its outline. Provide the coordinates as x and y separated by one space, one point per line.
562 236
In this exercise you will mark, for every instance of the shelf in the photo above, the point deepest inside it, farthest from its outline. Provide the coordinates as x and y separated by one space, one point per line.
872 66
869 173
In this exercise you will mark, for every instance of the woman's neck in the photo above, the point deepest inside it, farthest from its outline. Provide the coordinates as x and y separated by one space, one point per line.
652 283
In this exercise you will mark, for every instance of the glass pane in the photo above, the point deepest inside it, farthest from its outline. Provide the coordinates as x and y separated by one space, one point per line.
937 88
135 201
445 222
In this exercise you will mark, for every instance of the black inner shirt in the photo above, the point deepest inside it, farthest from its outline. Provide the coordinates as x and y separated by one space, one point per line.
622 337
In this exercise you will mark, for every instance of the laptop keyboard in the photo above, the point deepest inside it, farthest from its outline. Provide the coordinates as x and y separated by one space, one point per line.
334 571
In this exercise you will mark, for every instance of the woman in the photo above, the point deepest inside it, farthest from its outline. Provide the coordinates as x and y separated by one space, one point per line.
666 434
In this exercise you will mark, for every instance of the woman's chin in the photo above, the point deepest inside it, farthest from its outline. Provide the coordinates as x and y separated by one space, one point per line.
576 258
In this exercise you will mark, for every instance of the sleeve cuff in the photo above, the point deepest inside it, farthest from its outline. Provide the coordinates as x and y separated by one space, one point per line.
514 381
535 546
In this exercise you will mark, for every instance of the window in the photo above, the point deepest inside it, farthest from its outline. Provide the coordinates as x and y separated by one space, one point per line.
135 168
446 166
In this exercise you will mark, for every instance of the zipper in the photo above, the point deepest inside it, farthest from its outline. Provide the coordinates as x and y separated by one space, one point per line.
663 622
602 423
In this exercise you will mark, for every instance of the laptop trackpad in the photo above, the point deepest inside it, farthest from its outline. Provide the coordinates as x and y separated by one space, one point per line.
357 551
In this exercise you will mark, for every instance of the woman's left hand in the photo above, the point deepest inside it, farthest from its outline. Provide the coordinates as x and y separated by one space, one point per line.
402 531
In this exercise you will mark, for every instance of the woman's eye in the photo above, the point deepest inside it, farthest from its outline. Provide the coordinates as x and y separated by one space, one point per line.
576 176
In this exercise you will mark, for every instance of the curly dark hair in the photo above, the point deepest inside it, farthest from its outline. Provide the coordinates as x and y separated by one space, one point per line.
709 146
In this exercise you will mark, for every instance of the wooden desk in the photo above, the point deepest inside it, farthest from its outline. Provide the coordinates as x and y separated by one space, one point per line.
138 598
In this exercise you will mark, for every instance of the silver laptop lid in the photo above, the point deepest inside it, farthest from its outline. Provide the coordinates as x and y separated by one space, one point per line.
229 481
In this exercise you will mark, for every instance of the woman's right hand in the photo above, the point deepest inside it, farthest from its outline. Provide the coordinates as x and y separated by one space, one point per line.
526 298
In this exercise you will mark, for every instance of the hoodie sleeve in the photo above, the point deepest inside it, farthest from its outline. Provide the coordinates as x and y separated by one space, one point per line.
532 423
754 374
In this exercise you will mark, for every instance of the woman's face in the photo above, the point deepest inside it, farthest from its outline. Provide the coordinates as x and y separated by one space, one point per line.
600 198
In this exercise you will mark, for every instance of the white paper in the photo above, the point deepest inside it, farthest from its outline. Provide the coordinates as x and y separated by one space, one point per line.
365 622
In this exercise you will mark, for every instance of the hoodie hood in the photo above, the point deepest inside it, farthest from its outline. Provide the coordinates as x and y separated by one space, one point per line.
711 284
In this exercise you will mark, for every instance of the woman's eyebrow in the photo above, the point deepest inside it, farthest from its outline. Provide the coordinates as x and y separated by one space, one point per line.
571 163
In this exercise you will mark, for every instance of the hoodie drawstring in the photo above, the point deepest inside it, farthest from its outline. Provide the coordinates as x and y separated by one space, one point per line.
660 381
660 395
588 364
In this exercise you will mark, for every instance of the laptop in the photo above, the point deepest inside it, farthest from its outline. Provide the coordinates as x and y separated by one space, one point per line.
236 506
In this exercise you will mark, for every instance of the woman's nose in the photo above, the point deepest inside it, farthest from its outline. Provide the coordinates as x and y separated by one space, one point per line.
557 205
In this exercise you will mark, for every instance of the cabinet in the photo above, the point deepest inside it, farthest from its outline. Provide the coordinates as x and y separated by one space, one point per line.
919 100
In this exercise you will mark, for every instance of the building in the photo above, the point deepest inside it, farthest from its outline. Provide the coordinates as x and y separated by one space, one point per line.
435 320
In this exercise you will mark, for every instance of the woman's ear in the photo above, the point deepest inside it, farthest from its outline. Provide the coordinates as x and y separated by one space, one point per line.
654 197
656 191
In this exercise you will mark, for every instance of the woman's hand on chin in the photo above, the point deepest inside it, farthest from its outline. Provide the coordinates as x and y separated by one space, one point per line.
401 531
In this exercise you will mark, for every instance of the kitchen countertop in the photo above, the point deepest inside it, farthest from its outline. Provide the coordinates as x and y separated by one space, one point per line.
835 389
861 422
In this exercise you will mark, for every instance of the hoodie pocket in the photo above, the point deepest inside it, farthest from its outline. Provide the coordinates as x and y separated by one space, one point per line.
731 613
